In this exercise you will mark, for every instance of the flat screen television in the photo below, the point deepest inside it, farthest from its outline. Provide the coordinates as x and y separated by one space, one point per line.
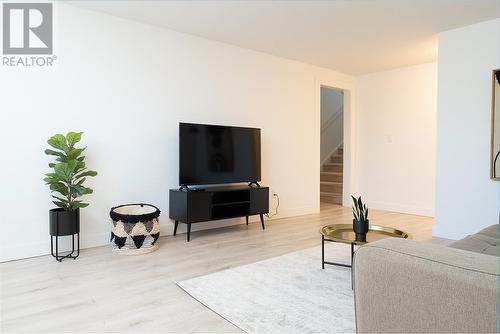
215 154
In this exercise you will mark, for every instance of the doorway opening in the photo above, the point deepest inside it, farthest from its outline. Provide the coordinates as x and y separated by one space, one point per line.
332 146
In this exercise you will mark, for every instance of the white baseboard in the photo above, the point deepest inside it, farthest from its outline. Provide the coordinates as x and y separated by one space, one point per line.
42 247
394 207
167 228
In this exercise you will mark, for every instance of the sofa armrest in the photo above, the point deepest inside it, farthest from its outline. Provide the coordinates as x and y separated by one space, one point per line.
407 286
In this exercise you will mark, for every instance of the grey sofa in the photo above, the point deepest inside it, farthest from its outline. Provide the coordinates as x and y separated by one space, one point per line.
405 286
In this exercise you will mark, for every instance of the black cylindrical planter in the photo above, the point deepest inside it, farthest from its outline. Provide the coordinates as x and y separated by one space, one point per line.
360 228
64 222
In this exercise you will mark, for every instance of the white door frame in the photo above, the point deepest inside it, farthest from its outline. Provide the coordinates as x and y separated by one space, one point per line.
348 88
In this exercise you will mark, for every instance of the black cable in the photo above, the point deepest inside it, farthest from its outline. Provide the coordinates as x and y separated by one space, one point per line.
277 206
495 165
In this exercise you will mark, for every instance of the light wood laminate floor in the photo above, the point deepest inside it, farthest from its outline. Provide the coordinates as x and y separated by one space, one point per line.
105 292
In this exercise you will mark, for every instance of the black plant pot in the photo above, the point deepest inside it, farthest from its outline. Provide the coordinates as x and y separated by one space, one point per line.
360 228
64 222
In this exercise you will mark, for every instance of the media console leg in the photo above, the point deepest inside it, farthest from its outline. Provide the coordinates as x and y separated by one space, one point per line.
175 227
247 220
262 221
189 232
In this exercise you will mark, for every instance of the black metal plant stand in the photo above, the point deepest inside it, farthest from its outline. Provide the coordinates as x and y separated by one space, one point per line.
69 255
64 223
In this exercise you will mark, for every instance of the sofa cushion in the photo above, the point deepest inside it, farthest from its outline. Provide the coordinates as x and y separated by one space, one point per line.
492 231
479 243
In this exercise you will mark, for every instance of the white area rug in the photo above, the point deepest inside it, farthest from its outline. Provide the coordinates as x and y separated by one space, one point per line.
285 294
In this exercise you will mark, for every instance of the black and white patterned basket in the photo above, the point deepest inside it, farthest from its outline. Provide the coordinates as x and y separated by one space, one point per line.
135 228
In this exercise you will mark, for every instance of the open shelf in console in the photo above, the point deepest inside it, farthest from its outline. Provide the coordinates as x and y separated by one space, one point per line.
230 196
230 210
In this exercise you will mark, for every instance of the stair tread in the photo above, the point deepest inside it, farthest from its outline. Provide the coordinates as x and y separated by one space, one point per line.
331 182
331 178
330 194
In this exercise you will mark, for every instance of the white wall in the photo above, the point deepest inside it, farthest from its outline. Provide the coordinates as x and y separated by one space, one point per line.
127 85
467 199
332 121
396 129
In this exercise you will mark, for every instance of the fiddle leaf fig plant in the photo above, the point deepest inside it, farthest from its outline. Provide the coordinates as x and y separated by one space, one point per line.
69 171
359 209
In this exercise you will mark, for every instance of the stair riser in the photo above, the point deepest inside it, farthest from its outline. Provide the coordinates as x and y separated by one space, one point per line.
336 159
331 178
332 169
331 188
332 193
331 200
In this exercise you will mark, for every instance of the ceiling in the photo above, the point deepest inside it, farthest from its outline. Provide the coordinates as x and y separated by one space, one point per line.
350 36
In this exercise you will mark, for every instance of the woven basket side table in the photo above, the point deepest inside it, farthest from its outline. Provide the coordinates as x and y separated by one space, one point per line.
135 228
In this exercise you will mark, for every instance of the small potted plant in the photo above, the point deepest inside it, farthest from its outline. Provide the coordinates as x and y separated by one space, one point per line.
66 180
360 222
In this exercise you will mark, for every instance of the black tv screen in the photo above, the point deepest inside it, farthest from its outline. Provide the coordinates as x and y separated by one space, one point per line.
214 154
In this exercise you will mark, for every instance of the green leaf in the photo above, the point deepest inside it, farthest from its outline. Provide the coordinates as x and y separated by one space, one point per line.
78 190
78 204
53 178
60 204
354 201
65 170
80 166
63 200
58 141
59 187
73 138
86 173
74 153
52 152
72 165
51 165
61 171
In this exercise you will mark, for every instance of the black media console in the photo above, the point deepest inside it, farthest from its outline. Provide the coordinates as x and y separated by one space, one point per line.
214 203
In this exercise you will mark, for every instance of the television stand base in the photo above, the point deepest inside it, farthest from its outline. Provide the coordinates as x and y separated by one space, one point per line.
261 221
188 230
217 203
189 226
256 184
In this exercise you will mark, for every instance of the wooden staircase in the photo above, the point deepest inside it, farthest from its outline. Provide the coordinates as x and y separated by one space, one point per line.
331 179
